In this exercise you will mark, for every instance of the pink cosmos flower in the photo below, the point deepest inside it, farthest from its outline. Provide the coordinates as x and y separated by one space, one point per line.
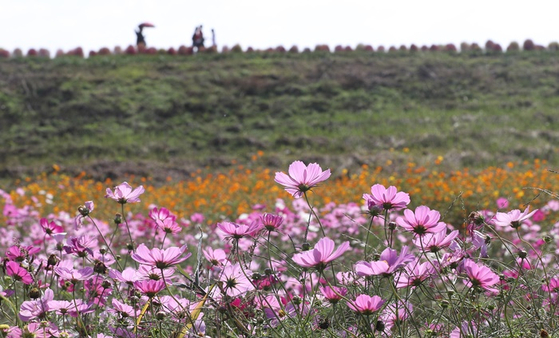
271 222
50 228
216 257
124 310
238 231
366 304
322 253
480 276
435 242
502 203
333 293
161 259
128 275
422 221
387 264
73 275
124 194
386 199
466 329
235 281
18 273
552 286
149 287
415 273
36 309
513 218
301 178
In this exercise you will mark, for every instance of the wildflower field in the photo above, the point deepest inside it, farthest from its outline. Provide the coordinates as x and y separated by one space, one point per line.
300 253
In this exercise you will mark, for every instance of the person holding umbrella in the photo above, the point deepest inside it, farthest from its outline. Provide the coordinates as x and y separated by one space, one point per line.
140 39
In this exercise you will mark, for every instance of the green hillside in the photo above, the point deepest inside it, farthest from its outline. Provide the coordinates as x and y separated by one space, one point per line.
164 115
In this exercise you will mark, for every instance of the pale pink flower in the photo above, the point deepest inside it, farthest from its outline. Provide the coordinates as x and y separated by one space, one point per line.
434 242
387 264
238 231
414 274
83 212
235 281
422 221
301 178
322 253
480 276
366 304
216 257
124 194
161 259
513 218
386 199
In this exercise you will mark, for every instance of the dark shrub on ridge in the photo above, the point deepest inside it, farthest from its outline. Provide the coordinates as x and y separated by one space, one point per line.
130 50
32 52
529 45
513 47
294 50
4 53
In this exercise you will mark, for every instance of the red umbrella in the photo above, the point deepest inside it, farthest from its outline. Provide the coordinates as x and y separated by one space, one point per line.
146 24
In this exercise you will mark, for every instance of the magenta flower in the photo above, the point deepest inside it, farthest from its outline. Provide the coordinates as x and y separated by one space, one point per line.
480 276
301 178
366 304
333 293
435 242
18 273
321 254
386 199
161 259
423 221
149 287
237 231
387 264
124 310
124 194
50 228
513 218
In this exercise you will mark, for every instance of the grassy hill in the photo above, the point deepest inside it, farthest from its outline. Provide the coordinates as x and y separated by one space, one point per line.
164 115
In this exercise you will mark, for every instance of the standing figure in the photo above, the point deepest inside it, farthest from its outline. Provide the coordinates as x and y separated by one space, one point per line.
213 38
140 40
198 38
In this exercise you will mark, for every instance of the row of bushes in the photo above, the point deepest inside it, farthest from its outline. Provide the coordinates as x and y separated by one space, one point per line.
490 47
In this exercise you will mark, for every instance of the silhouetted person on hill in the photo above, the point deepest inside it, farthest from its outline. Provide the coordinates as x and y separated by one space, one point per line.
213 38
198 38
140 40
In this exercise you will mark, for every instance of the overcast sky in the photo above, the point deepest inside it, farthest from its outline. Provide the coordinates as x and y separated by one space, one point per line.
66 24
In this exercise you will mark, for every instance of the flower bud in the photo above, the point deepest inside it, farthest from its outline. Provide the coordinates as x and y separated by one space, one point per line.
83 210
379 326
100 268
268 271
522 254
306 246
392 226
160 315
118 219
34 293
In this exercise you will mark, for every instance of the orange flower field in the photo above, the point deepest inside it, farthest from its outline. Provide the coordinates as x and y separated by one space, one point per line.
237 191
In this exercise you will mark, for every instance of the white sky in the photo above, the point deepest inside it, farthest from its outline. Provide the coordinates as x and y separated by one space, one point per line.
66 24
